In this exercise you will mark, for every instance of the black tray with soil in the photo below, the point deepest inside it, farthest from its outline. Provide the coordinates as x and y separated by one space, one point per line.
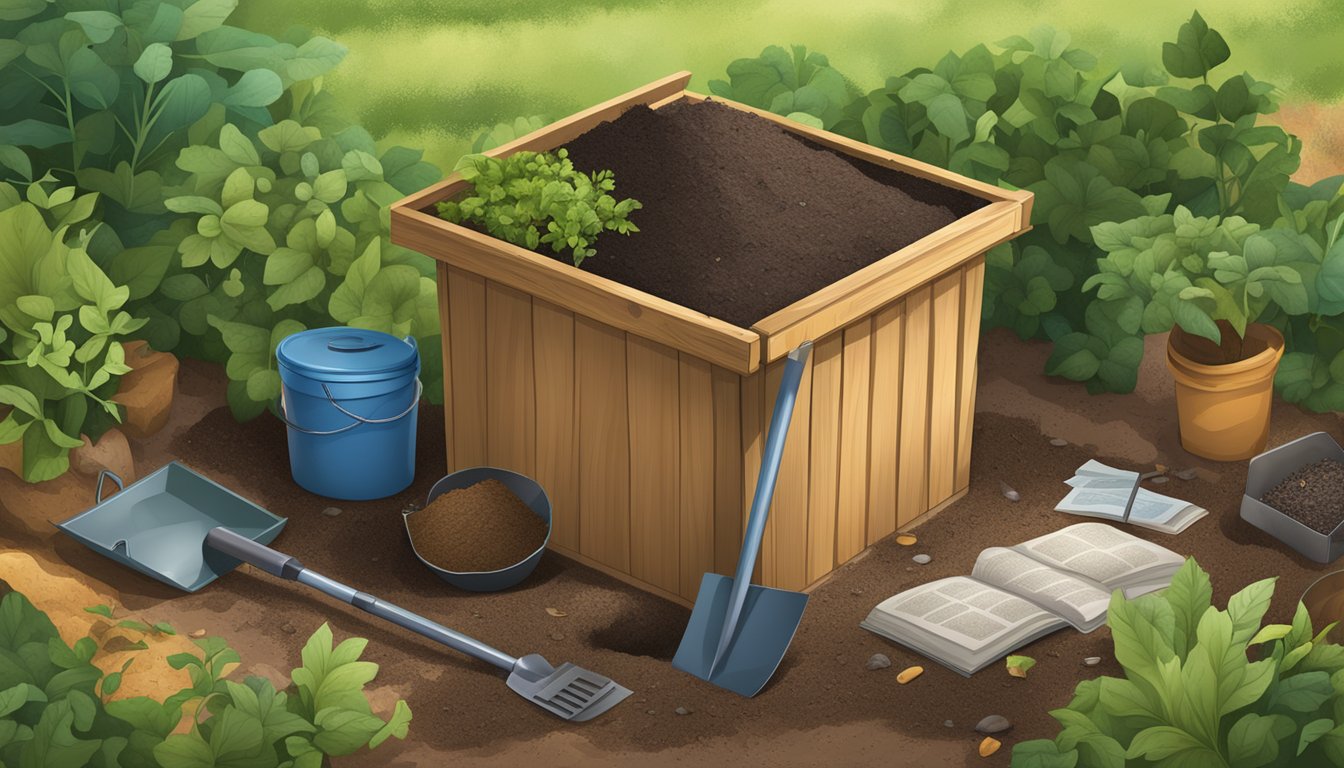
1295 492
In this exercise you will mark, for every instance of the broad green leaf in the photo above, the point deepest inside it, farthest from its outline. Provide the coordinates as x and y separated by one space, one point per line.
1197 49
245 224
399 725
155 63
1042 753
183 100
236 146
34 133
204 15
344 731
1247 607
18 10
1254 739
1190 595
98 25
1313 731
288 136
330 187
92 82
256 88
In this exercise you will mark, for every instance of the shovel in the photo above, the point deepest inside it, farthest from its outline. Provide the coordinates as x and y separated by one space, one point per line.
739 631
171 525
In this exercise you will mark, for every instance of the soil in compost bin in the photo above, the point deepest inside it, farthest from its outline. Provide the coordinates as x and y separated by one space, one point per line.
742 218
483 527
1313 495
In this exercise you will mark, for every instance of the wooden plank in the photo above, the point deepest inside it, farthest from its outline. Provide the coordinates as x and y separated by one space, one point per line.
727 468
851 529
865 291
579 291
557 438
653 372
824 469
466 313
912 497
788 511
753 446
559 132
943 393
604 443
510 418
446 345
972 293
697 473
622 576
884 437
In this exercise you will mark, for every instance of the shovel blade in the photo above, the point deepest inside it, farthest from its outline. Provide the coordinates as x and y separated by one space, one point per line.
769 619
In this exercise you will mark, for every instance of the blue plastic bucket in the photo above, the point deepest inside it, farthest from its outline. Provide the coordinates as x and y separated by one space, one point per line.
350 398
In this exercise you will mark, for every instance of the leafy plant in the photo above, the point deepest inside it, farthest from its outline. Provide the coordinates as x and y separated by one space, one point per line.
61 322
1204 687
57 707
514 198
801 86
503 133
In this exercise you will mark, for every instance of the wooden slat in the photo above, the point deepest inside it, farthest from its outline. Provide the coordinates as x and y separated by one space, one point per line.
912 497
466 313
446 345
557 438
604 443
851 530
824 471
510 404
943 395
865 291
753 445
559 132
581 292
697 473
727 469
623 577
655 455
972 293
885 429
788 511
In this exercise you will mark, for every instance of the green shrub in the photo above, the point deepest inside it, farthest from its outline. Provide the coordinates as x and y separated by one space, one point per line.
56 708
1204 687
61 326
515 197
799 85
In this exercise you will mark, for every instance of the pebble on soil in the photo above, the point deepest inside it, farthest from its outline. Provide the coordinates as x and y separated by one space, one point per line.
877 661
922 559
993 724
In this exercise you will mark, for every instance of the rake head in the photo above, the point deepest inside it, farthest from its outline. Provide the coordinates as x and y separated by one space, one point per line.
568 692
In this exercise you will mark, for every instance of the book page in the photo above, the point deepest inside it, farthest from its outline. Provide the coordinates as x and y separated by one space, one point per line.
1081 602
1103 554
1110 503
962 610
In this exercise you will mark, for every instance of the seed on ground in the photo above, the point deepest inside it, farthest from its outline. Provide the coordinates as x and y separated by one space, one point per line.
989 746
332 511
906 539
908 674
196 634
1186 474
922 559
1160 479
1092 661
1058 442
682 711
1009 493
948 723
877 661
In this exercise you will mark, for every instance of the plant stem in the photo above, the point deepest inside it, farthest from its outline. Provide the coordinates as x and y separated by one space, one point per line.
70 123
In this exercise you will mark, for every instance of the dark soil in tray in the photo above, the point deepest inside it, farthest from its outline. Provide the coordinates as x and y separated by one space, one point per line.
483 527
1313 496
742 218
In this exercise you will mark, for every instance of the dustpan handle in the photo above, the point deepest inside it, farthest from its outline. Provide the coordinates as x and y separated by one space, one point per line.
102 477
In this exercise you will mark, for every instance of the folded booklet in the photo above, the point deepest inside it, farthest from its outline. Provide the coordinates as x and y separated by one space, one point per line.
1106 492
1016 594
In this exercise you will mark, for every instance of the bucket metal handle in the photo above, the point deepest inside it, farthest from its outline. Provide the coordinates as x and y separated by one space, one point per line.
419 390
102 477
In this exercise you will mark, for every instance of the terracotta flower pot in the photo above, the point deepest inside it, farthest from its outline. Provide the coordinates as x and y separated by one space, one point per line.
1224 393
147 391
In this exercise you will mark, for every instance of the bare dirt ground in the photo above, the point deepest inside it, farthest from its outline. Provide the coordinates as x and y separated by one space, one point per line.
1321 128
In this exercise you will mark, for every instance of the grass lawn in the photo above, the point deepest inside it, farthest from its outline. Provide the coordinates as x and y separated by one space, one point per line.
433 74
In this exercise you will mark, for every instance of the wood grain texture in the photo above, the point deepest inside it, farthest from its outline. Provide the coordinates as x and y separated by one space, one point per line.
851 529
557 437
824 470
604 443
913 490
885 427
466 313
697 472
727 468
972 294
510 420
655 456
788 511
943 394
753 446
446 347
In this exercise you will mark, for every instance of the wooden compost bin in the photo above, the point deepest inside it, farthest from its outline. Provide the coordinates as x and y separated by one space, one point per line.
644 420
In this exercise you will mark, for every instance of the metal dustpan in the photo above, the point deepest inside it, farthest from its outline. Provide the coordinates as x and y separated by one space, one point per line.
739 631
187 531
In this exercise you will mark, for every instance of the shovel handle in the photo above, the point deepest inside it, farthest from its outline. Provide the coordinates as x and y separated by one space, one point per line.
236 545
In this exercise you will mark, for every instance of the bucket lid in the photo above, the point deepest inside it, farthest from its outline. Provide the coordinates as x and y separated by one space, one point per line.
343 352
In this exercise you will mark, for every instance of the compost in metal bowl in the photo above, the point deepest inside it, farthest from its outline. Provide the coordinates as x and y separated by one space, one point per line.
482 527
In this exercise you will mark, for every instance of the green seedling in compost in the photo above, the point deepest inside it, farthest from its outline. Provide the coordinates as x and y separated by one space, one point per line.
538 198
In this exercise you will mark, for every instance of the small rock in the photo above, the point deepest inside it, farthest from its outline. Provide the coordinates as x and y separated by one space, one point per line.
652 712
332 511
1058 442
1092 661
803 204
948 724
877 661
922 559
1009 493
856 591
1186 474
196 634
906 539
993 724
556 612
288 628
557 636
682 711
373 559
1159 480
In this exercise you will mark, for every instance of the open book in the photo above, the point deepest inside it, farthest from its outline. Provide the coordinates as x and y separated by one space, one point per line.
1103 491
1016 594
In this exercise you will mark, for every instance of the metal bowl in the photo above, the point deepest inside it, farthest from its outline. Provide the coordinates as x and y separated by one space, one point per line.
1324 600
524 488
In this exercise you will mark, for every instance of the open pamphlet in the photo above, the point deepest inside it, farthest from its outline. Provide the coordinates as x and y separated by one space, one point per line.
1106 492
1015 595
